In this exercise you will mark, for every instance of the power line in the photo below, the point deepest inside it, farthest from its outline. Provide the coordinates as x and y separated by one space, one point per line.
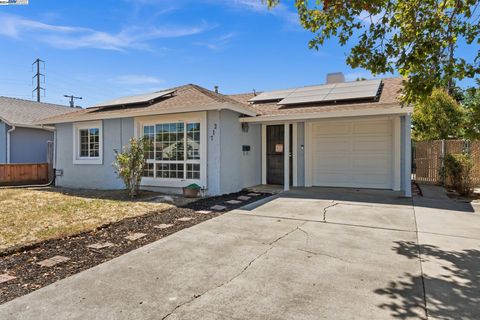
72 97
38 75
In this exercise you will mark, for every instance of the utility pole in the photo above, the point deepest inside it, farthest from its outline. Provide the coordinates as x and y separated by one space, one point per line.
38 75
72 102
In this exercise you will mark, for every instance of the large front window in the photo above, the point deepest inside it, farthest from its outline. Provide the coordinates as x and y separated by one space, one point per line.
173 150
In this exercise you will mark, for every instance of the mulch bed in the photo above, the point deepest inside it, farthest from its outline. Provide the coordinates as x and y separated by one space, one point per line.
30 276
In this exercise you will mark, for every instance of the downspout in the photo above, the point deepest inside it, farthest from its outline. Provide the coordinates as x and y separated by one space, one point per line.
8 142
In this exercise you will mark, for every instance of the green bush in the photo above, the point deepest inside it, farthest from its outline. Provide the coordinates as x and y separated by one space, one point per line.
458 169
130 163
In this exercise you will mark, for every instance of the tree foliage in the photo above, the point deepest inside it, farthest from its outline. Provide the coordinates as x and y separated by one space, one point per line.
130 163
438 116
418 38
471 102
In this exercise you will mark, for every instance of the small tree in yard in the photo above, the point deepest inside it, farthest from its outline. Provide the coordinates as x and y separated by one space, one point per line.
458 169
130 163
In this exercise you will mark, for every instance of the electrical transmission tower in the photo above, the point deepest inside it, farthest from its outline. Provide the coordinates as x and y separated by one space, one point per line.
72 102
38 76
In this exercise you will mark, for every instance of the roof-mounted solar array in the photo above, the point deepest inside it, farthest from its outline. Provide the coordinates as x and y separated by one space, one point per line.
271 95
137 99
354 90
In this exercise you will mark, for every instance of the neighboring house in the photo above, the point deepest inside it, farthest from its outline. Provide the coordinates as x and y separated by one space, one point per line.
342 134
22 139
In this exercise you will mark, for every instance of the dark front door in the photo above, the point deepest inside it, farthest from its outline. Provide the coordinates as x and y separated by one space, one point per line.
275 154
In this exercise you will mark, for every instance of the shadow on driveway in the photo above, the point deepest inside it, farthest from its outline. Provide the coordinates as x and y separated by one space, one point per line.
452 293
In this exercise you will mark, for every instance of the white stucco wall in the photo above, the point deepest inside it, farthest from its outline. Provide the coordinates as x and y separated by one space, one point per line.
213 152
116 133
238 169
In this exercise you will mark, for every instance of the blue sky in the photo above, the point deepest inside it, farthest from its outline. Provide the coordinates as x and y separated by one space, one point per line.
104 49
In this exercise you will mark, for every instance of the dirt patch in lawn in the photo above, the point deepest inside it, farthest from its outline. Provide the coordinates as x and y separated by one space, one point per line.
33 215
30 276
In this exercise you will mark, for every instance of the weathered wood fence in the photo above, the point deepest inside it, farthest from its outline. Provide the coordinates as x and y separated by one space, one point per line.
24 173
428 158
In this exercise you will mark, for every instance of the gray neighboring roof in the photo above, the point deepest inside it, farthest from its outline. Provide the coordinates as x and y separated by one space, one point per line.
26 113
136 99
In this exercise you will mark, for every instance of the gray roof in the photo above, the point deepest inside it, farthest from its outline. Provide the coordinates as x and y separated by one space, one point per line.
21 112
136 99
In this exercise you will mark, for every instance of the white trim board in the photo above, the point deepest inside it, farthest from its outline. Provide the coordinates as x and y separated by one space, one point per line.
76 145
330 114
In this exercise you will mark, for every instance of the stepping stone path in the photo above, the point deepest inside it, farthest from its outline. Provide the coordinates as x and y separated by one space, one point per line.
218 208
163 226
203 211
244 198
185 219
233 202
6 277
254 194
53 261
100 245
135 236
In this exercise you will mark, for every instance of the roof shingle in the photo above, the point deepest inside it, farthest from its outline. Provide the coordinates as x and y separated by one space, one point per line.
27 113
187 97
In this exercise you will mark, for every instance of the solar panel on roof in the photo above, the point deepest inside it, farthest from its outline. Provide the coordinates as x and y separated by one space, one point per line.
141 98
334 92
271 95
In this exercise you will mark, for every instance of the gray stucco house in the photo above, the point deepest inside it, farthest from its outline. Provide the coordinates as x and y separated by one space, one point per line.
340 134
22 139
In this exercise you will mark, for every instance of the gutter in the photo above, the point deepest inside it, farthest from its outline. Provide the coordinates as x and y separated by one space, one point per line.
8 141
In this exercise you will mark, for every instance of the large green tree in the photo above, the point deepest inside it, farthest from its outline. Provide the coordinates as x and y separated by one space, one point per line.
471 102
438 116
418 38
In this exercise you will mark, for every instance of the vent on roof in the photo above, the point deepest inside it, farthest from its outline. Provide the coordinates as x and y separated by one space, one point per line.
335 77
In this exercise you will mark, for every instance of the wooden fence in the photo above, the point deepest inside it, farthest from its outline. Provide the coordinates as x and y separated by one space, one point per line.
428 158
24 173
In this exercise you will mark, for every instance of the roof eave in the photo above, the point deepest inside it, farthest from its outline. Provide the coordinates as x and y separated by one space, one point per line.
25 125
213 106
330 114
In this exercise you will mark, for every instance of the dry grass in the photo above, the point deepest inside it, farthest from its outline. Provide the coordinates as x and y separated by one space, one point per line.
32 215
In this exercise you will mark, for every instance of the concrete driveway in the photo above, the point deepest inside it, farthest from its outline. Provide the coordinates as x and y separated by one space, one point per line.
308 254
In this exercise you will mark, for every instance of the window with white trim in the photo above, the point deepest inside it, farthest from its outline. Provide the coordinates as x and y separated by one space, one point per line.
173 150
87 142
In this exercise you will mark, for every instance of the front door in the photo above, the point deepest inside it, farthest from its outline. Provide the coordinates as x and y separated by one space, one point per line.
275 154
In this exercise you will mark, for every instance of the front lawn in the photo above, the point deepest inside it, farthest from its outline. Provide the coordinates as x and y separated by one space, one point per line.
32 215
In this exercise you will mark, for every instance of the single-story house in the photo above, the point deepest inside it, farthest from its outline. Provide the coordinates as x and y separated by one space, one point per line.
22 139
340 134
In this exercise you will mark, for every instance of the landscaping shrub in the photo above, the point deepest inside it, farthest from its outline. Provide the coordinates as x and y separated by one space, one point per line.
130 163
458 170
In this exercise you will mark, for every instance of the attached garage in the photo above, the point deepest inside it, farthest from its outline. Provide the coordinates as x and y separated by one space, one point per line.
341 134
353 153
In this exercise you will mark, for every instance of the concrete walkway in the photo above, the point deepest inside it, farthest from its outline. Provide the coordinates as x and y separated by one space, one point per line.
449 237
307 254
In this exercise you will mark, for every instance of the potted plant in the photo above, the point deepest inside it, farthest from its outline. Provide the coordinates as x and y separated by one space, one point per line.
191 191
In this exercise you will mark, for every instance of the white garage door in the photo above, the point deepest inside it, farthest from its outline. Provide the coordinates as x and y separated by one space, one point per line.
352 153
